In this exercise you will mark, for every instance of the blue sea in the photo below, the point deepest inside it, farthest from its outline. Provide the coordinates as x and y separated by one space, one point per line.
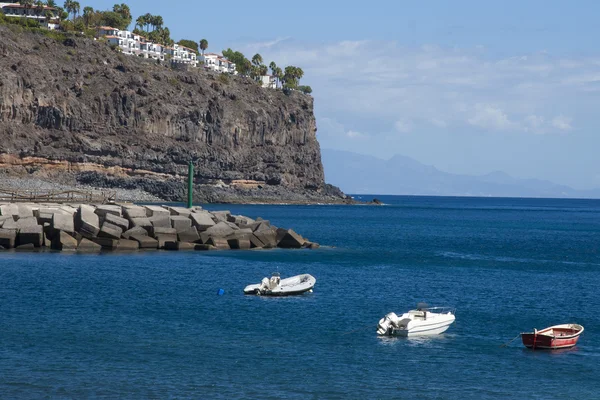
151 325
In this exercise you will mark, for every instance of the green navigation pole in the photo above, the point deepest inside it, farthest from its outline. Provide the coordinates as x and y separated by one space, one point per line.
190 184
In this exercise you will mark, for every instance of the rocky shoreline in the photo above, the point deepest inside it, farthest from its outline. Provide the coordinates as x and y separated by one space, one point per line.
130 227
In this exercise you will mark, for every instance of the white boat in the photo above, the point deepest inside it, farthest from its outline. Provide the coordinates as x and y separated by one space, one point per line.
275 286
422 321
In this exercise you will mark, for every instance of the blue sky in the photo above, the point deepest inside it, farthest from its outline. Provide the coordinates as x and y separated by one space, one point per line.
467 86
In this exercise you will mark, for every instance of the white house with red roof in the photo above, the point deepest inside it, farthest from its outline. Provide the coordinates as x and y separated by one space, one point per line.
218 63
46 16
134 44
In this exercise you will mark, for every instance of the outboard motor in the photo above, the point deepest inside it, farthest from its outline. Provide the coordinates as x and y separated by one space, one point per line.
387 324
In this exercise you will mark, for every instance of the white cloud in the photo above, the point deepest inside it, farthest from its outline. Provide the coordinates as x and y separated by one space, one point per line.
403 126
562 123
356 135
490 117
366 83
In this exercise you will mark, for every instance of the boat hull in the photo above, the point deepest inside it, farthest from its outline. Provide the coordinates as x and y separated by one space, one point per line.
435 329
557 337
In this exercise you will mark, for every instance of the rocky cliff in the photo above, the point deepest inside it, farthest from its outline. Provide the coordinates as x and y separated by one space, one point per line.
75 110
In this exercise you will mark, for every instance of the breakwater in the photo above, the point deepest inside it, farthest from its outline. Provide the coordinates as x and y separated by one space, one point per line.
119 227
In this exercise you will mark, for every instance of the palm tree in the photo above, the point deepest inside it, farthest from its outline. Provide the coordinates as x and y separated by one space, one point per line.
157 21
148 20
39 5
203 45
141 21
257 59
87 15
51 3
76 8
69 6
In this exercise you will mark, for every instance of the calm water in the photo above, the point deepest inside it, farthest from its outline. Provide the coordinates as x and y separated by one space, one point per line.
150 325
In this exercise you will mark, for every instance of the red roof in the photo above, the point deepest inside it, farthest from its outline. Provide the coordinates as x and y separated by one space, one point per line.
33 6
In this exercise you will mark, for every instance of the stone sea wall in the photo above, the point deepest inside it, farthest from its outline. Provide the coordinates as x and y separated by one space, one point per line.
91 228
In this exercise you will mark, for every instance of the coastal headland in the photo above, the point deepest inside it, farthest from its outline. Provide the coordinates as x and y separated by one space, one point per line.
127 227
76 113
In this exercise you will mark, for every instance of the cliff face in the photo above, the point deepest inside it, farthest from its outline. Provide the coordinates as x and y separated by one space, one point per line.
76 109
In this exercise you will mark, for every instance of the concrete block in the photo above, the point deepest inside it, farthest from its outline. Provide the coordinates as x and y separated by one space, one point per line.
255 242
125 244
63 222
86 245
25 210
26 221
117 221
221 229
186 246
142 223
196 209
132 211
25 247
202 220
239 220
87 222
291 240
8 238
181 223
219 243
31 234
146 242
204 247
106 243
64 241
137 230
189 235
163 239
268 237
220 216
158 230
105 209
181 211
157 211
10 224
5 218
239 243
9 210
110 231
161 221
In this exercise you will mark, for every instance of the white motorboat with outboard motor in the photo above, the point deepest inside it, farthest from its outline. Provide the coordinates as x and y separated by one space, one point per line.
422 321
275 286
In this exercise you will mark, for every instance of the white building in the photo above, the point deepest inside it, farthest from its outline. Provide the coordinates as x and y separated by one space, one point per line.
268 81
218 63
134 44
46 16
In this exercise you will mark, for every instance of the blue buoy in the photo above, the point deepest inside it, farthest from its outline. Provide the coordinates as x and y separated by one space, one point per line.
221 292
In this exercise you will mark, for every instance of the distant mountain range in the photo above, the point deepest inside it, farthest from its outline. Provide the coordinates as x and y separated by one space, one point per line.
400 175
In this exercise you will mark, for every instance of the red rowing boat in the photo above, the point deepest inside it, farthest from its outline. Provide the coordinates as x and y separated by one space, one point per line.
555 337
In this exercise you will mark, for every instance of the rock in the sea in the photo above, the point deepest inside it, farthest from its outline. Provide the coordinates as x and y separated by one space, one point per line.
110 231
8 238
219 243
64 241
146 242
125 244
239 243
185 212
221 216
142 223
87 222
164 231
87 245
106 243
268 237
181 223
62 221
157 211
189 235
118 221
136 230
291 240
222 229
165 240
202 220
33 234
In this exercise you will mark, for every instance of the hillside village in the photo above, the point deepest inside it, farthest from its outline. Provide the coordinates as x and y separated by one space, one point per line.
153 44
